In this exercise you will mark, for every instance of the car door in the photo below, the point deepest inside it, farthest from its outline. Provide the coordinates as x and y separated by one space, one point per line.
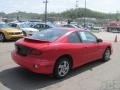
76 49
91 47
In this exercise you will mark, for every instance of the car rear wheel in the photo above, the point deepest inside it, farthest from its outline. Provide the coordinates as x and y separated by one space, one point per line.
62 67
106 55
2 37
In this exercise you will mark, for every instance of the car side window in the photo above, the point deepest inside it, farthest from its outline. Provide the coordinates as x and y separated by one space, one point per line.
14 25
87 37
37 26
41 26
46 26
68 26
73 38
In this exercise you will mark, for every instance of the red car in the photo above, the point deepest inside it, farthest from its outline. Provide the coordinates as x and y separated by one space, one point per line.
57 51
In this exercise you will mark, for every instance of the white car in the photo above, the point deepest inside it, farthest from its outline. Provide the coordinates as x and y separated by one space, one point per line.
27 30
73 26
43 26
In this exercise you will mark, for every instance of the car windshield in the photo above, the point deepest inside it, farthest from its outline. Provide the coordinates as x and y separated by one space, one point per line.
4 26
49 34
77 26
24 25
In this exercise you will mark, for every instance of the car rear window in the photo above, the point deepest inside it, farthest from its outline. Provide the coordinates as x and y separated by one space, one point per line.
49 34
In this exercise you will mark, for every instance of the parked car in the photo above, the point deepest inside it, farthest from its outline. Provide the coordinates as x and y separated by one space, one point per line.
34 22
29 24
73 26
43 26
27 30
58 50
99 29
7 33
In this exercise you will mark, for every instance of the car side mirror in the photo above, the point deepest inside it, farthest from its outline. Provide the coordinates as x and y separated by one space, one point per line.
99 40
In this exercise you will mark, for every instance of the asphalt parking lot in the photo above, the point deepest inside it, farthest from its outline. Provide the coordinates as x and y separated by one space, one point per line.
92 76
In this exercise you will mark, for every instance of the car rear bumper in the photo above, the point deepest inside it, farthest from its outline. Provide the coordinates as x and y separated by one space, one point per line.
33 64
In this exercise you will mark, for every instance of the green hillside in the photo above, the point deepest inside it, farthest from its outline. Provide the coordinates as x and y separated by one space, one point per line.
72 14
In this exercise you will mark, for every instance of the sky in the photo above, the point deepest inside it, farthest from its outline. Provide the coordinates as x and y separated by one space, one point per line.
37 6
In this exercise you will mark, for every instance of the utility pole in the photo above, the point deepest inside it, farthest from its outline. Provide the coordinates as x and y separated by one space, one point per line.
17 15
117 15
76 3
46 2
85 15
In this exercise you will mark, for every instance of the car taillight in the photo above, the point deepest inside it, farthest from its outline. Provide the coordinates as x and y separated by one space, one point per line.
35 52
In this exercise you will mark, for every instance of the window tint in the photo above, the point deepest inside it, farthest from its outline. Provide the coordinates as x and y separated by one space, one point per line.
73 38
46 26
37 26
13 25
49 34
42 26
87 37
70 26
23 25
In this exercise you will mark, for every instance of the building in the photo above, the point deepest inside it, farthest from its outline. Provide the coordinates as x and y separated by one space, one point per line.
113 26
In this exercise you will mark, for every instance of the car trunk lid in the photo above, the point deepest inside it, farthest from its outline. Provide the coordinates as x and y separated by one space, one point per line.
28 39
24 46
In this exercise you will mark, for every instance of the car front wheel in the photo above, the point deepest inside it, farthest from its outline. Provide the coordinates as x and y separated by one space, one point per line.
2 37
106 55
62 68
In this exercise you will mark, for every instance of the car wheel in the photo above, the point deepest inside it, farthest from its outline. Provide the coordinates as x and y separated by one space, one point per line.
106 55
2 37
62 68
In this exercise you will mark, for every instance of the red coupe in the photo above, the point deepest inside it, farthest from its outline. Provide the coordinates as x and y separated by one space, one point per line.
57 51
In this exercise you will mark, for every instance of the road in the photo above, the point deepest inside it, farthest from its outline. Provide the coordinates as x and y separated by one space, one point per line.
92 76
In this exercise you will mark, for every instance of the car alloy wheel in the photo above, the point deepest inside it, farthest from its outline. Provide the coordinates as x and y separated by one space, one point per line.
106 55
2 38
62 68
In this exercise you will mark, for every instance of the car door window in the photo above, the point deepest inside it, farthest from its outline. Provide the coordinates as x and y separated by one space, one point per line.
73 38
87 37
70 26
41 26
46 26
37 26
14 25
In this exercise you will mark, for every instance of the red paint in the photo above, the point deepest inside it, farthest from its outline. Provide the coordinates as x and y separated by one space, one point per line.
45 54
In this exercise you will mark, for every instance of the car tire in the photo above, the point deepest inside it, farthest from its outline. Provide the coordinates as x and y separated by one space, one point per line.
106 55
2 37
62 68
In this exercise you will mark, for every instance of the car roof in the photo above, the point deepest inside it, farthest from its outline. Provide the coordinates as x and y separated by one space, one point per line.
69 29
18 23
49 24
